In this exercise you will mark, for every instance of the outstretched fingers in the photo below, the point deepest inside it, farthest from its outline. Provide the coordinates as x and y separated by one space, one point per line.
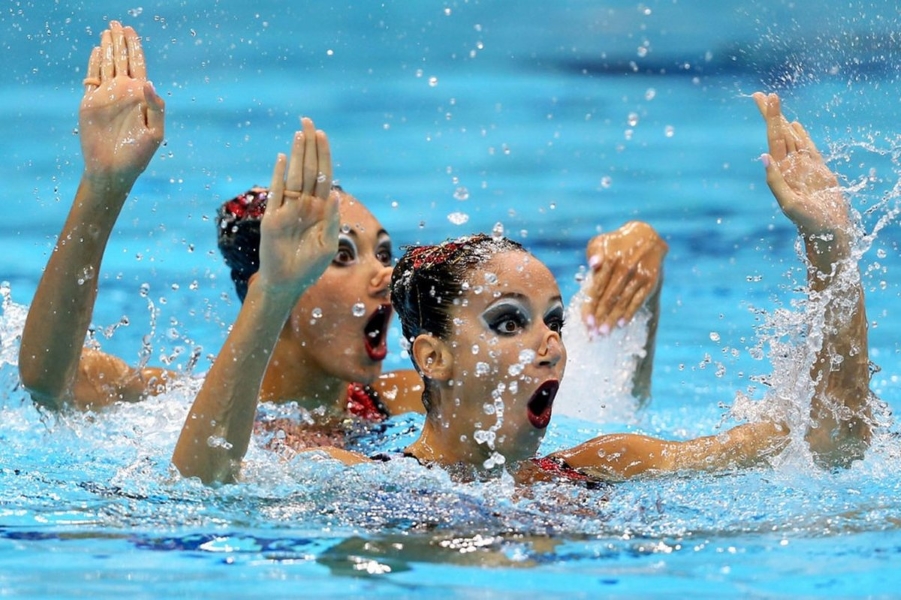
307 177
275 198
295 176
324 175
92 79
120 49
137 66
311 167
107 58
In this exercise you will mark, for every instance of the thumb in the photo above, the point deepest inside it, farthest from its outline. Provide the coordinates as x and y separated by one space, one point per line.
331 217
156 107
775 180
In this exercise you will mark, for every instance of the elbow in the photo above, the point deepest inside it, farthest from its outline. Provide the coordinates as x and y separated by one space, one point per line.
842 448
36 382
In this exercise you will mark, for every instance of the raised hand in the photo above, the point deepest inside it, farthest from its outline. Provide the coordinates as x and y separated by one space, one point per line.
807 190
121 116
300 226
121 126
809 194
627 267
299 239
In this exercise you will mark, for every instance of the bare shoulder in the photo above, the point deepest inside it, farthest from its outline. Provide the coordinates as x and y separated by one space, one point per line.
400 391
104 379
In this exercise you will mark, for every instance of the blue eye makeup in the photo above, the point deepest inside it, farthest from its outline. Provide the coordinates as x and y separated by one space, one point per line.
383 251
347 251
507 317
555 319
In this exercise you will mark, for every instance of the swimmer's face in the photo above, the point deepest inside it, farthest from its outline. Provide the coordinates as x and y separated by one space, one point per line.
508 355
342 320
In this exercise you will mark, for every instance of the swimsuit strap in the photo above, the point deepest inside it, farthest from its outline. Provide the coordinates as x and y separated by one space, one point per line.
558 469
363 402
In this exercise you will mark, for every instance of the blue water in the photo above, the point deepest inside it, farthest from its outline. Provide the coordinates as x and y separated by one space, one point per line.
556 120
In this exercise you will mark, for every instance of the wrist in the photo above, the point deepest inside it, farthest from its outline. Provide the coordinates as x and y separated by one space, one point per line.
106 182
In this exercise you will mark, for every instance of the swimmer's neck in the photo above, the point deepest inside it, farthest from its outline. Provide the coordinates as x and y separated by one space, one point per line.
289 381
439 445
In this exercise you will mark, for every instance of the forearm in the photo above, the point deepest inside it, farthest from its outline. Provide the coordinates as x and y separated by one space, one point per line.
60 312
217 431
840 407
641 379
623 456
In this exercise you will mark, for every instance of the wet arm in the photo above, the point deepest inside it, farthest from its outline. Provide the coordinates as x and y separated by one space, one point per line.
623 456
121 126
299 238
627 274
217 430
840 410
810 196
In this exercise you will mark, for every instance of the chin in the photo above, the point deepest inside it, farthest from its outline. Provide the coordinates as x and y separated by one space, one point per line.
363 374
526 448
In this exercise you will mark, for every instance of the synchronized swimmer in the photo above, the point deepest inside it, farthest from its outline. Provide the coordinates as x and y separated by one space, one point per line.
302 244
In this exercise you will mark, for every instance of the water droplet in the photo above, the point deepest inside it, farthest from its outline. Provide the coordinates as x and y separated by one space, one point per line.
359 309
145 290
215 441
632 119
458 218
461 193
497 232
714 336
317 313
482 369
433 81
475 348
669 131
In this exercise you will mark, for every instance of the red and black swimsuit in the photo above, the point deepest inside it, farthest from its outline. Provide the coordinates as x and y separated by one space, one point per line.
290 434
364 403
553 468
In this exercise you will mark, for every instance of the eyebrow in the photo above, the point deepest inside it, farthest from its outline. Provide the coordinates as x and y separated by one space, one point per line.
352 231
523 298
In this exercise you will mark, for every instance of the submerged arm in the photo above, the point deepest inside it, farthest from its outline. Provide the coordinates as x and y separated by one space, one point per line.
121 126
299 239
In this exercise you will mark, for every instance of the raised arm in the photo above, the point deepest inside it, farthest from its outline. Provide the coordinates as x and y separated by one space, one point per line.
839 431
809 194
299 239
626 274
120 127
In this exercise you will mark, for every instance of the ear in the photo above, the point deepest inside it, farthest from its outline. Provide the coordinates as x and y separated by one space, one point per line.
433 356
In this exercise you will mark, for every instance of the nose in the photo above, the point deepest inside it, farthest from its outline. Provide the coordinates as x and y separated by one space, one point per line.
378 284
551 351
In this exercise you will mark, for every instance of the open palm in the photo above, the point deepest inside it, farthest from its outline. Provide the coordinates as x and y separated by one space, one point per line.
806 189
121 116
300 226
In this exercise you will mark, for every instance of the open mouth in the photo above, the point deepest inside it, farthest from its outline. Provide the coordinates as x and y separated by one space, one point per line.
541 402
375 333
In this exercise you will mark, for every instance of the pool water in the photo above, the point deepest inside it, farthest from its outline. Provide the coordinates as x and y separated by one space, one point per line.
448 118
